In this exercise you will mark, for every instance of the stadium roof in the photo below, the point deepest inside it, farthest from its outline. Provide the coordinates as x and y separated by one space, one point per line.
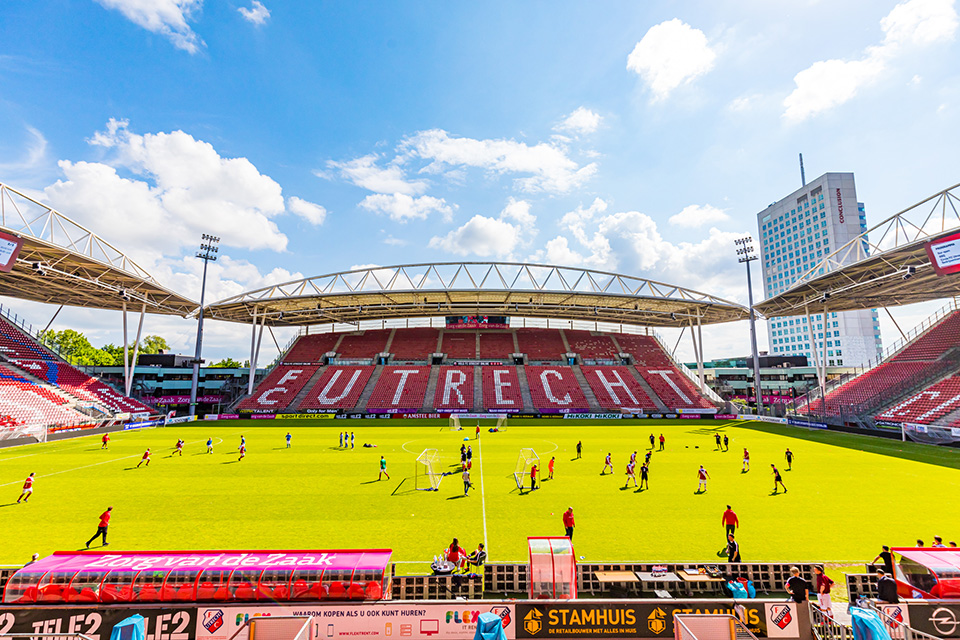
885 266
476 288
61 262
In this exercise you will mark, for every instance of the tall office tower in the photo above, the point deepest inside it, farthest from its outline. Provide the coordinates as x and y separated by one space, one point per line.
796 233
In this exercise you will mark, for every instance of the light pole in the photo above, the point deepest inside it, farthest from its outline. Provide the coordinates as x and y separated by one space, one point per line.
207 253
746 255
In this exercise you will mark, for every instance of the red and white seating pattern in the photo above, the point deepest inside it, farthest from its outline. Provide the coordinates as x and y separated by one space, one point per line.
14 343
278 390
501 389
930 404
400 388
364 344
414 344
459 344
646 351
23 402
674 389
454 389
555 388
591 346
80 385
312 348
877 382
495 345
541 344
338 388
616 388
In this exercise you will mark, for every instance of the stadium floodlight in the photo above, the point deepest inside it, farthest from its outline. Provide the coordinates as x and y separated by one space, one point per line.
745 255
207 253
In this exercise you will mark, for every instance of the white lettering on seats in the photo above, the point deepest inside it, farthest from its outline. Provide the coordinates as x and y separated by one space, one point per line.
665 374
449 385
609 386
291 374
404 374
323 398
499 385
546 387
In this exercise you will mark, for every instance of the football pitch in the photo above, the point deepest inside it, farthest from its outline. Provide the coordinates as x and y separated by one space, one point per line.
847 494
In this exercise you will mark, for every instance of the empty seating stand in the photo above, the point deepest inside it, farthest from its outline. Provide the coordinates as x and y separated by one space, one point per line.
454 389
925 407
459 345
541 344
24 402
555 389
311 348
363 345
279 389
616 388
400 389
673 387
337 388
414 344
591 345
645 350
496 345
501 389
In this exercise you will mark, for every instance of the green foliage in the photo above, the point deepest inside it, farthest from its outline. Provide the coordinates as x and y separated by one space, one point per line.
74 347
226 363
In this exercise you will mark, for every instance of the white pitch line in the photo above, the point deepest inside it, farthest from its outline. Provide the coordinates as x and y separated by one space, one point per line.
483 501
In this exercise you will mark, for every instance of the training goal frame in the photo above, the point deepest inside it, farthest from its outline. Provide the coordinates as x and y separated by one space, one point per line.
427 475
526 459
456 425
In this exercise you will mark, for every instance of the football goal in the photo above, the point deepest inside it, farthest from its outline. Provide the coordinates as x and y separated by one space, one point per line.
455 423
525 462
428 474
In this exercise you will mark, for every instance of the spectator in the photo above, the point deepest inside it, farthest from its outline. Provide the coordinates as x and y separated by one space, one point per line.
953 544
568 522
478 557
823 590
886 588
938 542
33 559
887 559
733 549
797 587
920 543
455 553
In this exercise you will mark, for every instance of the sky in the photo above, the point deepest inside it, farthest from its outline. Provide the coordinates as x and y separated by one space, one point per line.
314 137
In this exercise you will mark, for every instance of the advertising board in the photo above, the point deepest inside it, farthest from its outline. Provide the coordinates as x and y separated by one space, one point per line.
944 254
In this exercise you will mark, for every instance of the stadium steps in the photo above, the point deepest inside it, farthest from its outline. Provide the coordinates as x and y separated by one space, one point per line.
476 348
307 388
368 390
516 343
525 390
566 344
616 343
477 389
587 390
648 390
437 348
951 418
386 347
428 398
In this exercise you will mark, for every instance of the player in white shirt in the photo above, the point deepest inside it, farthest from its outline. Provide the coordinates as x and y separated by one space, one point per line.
630 474
702 476
607 463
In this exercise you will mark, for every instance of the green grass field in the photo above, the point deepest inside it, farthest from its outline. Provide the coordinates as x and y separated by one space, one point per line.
847 494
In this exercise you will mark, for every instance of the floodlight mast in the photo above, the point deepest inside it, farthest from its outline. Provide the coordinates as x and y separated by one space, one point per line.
207 253
746 255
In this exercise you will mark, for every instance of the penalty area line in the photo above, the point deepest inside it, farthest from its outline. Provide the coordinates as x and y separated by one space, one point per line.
483 500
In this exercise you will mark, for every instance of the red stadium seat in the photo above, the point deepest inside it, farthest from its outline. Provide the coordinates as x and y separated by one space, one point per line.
244 591
337 388
356 591
454 389
206 591
148 593
337 591
555 388
373 591
400 387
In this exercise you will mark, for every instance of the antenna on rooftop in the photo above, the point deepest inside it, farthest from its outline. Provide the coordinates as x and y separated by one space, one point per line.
803 177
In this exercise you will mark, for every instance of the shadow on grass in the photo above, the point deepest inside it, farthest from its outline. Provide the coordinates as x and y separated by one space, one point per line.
373 481
938 455
230 462
9 504
457 497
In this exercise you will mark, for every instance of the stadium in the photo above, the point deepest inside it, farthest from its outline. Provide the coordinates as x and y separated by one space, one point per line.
554 377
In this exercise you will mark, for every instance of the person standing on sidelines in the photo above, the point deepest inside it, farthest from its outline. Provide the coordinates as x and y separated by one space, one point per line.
383 469
733 549
607 462
27 489
104 440
579 448
730 521
568 522
663 441
478 430
550 467
797 587
145 458
777 480
466 480
288 438
102 528
651 441
788 455
746 461
726 442
533 478
887 558
823 589
702 476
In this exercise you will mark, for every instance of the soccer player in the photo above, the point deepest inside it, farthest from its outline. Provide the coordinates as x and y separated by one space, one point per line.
209 445
746 461
550 467
579 448
726 443
478 430
383 469
716 437
630 474
651 441
789 456
145 458
663 441
179 449
104 440
27 489
102 527
633 457
243 452
702 476
644 482
469 454
568 522
243 442
466 480
288 437
353 437
730 521
533 478
646 458
341 439
607 463
777 480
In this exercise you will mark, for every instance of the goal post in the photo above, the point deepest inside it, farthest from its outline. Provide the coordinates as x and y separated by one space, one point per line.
525 462
502 422
455 423
428 474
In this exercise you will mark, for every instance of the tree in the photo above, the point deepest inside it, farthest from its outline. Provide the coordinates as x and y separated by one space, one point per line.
226 363
74 347
150 344
154 344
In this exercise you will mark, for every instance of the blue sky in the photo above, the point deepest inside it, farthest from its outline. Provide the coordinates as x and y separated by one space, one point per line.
313 137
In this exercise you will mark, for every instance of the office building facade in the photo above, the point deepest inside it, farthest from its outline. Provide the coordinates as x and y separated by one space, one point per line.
796 233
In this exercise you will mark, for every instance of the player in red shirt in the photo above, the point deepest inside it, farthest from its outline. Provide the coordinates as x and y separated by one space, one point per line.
663 441
702 476
730 521
145 458
550 467
568 522
243 452
104 440
102 527
630 474
746 461
27 489
533 477
179 450
478 430
607 463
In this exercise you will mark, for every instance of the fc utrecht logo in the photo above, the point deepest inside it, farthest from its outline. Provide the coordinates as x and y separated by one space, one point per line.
212 619
782 616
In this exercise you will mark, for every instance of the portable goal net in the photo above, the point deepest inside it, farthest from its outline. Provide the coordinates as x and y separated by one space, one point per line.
428 474
455 423
525 462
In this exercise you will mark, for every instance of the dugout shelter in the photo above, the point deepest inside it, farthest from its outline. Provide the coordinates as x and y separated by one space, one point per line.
553 568
928 573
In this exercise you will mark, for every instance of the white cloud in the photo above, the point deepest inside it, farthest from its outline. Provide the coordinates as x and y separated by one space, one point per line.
402 207
550 168
485 236
830 83
256 14
395 242
695 216
581 121
671 54
364 172
312 213
168 18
